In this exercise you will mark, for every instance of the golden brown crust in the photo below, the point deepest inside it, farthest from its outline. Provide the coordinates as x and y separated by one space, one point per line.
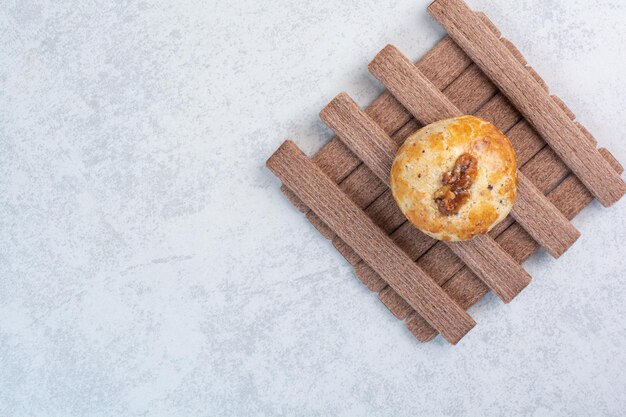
416 176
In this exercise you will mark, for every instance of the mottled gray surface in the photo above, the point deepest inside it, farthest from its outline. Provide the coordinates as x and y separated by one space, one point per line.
150 266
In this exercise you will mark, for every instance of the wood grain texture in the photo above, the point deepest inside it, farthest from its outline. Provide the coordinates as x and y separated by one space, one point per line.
363 187
294 200
360 183
369 277
485 258
563 107
485 19
427 104
538 78
370 143
396 304
484 48
570 197
361 134
587 134
544 222
470 91
321 227
411 87
513 50
324 198
442 64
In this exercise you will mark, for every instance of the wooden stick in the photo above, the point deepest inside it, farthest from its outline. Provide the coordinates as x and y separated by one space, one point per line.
411 87
485 258
368 141
533 102
570 196
362 135
323 196
427 104
544 222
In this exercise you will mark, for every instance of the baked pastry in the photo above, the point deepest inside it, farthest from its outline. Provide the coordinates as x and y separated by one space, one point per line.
456 178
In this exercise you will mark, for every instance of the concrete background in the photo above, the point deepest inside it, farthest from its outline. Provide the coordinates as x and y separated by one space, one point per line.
150 266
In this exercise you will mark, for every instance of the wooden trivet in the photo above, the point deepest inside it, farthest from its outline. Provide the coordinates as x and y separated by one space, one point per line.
343 189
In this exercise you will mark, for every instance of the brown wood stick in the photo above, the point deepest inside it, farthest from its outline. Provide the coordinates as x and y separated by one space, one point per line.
538 78
514 51
427 104
386 213
545 169
570 197
483 47
368 141
499 110
396 304
410 87
323 196
563 107
484 257
482 16
362 135
346 251
321 227
294 200
544 222
372 281
470 91
587 134
363 186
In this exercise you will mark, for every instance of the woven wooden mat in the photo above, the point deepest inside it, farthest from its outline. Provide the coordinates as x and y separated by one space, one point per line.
343 190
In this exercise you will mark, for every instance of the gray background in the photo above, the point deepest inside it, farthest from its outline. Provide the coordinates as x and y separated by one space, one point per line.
150 266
